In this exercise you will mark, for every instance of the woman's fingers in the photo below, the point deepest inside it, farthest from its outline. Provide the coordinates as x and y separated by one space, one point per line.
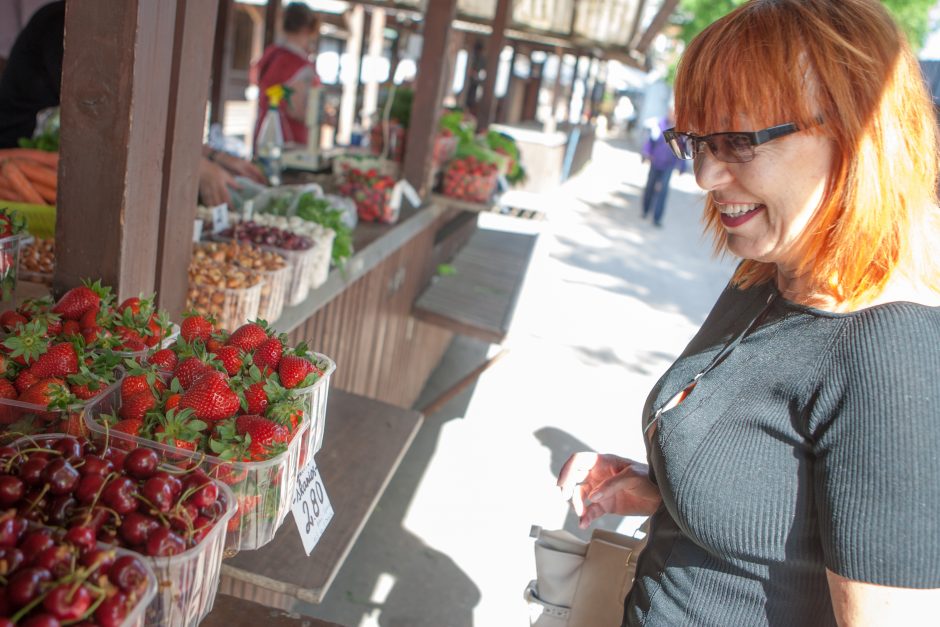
575 471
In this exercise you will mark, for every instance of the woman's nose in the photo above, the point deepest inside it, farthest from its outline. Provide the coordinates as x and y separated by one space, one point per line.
710 173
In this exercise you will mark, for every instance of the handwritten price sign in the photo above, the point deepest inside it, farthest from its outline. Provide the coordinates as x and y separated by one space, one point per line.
311 507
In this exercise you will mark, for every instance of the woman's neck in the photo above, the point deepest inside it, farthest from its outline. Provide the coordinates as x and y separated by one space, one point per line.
900 287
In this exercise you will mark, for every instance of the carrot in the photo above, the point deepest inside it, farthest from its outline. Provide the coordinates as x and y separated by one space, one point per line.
37 173
46 158
48 193
7 193
20 183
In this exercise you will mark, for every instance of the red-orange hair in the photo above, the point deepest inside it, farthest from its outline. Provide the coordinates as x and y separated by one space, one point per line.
846 62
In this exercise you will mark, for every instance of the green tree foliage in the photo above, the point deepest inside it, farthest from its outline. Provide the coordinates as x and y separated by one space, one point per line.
912 15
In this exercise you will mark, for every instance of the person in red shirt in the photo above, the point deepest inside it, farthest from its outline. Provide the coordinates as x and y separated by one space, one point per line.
289 63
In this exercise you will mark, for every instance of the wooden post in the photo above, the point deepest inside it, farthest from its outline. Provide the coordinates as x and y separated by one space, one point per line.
557 93
272 17
347 106
429 89
370 97
659 21
219 64
134 88
494 48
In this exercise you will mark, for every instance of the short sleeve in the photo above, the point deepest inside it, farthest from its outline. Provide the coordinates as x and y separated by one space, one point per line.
876 445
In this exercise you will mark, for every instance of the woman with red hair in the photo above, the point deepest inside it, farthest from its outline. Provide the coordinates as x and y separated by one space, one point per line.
793 472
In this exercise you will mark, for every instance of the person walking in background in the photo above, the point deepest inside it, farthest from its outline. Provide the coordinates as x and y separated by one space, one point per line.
288 63
662 162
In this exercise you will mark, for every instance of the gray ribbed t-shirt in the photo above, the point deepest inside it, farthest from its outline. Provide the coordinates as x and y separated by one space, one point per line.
815 444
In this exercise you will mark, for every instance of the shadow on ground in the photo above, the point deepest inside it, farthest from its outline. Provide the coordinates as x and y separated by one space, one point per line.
390 574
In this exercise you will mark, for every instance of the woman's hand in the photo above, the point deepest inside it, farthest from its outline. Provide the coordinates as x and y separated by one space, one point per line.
607 484
214 182
241 167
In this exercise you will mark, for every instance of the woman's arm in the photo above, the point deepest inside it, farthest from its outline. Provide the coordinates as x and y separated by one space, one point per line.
860 604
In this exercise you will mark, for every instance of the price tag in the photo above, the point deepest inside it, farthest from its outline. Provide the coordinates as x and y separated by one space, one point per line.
248 210
220 217
311 507
410 194
197 230
395 200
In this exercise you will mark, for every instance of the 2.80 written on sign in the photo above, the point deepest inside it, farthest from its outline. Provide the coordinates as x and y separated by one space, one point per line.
311 507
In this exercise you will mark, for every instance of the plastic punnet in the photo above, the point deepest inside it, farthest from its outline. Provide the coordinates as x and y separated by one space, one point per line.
18 419
230 307
263 490
314 400
273 293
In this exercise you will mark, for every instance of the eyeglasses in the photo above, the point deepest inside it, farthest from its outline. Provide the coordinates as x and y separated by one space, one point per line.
732 147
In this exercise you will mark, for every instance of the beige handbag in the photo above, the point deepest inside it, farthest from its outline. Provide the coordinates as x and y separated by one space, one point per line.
578 583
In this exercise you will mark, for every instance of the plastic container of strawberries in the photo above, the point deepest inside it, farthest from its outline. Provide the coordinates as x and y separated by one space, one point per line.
263 489
314 400
164 343
185 584
18 419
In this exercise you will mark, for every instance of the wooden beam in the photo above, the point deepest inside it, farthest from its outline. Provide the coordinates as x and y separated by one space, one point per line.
347 105
370 98
187 91
429 89
637 19
272 17
219 64
116 70
494 49
659 21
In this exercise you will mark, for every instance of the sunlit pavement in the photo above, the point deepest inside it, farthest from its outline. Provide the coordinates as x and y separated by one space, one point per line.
609 301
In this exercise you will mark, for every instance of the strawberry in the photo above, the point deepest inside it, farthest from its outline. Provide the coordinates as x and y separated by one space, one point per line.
58 361
231 359
11 223
91 334
248 337
295 371
179 429
288 412
140 378
172 401
73 424
7 389
210 397
89 319
130 426
132 303
27 342
268 354
137 405
11 318
164 359
25 380
189 371
157 327
256 399
196 327
71 328
131 339
43 392
261 435
75 302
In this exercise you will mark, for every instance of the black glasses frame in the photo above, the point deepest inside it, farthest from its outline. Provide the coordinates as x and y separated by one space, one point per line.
680 142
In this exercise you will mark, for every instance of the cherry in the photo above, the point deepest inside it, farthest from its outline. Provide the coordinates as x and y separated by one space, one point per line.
7 452
204 496
141 463
61 476
5 609
201 528
99 559
31 470
120 495
41 620
112 611
81 536
159 491
55 559
128 573
70 448
34 543
97 518
37 500
95 465
136 527
115 456
12 490
164 543
88 488
66 602
60 509
11 530
183 516
10 560
176 486
24 585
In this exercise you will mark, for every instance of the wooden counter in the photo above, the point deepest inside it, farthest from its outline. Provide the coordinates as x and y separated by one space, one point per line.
230 611
364 443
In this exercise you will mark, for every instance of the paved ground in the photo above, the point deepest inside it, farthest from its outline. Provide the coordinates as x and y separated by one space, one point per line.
609 301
